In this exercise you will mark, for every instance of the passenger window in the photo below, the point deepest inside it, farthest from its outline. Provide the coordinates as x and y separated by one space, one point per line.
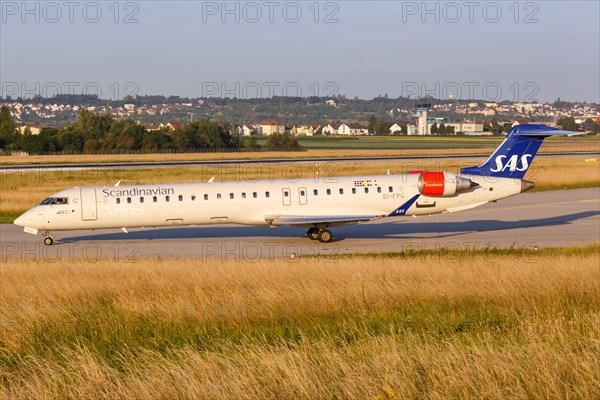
366 190
267 194
328 192
286 193
243 195
193 198
129 200
205 197
155 199
218 196
141 199
254 194
379 189
302 193
118 200
353 190
231 196
390 189
180 198
316 192
341 191
167 198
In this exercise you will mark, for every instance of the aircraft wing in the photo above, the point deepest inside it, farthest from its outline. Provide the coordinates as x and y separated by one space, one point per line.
328 220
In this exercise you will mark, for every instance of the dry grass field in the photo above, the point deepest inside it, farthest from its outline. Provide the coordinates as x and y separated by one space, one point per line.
502 325
21 191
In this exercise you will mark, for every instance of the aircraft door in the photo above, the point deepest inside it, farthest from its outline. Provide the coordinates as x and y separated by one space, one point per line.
302 196
89 209
287 196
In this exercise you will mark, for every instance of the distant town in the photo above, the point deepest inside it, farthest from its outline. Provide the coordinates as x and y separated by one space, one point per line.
306 116
158 124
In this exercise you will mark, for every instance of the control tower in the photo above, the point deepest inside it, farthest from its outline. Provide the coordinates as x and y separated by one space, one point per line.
421 116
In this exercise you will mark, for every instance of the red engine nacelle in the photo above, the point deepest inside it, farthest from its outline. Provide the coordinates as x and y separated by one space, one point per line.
442 184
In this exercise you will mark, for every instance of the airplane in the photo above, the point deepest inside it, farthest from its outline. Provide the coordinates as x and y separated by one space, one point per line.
315 204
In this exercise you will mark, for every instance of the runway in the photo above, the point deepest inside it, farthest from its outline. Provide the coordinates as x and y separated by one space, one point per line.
12 168
542 219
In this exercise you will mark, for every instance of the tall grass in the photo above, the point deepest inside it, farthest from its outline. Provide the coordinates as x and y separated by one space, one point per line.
466 326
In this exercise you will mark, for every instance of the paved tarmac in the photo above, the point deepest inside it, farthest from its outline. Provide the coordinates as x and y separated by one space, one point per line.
13 168
542 219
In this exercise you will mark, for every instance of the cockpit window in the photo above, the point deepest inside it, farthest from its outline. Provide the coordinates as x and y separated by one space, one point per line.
55 200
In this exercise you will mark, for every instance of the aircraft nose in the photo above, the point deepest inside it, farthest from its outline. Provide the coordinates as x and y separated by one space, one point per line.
27 219
20 221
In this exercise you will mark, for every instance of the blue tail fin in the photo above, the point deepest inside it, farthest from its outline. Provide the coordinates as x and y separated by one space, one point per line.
513 157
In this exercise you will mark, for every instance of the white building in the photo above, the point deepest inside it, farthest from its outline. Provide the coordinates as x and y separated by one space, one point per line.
395 128
270 127
245 130
34 129
422 117
344 129
358 129
304 130
330 129
468 128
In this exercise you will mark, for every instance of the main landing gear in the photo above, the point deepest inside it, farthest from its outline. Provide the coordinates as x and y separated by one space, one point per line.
48 239
322 235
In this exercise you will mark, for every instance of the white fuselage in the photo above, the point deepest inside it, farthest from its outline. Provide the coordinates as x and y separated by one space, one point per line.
253 203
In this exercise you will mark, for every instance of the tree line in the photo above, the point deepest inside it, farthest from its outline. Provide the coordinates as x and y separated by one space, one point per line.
101 133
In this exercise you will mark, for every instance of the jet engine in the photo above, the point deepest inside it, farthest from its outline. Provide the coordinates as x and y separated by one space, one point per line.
443 184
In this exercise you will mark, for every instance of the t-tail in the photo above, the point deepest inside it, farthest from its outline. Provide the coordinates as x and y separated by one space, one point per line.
514 156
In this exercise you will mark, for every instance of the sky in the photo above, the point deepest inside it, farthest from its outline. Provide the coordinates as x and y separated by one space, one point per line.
489 50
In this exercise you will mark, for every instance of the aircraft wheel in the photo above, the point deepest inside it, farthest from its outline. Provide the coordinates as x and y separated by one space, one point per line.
313 234
48 241
325 236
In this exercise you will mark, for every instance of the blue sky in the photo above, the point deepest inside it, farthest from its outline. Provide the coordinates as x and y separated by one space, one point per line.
487 50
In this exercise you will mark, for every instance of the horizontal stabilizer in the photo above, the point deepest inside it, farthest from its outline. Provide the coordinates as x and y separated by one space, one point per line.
542 131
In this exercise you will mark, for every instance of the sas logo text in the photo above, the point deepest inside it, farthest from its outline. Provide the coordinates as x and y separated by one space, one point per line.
512 164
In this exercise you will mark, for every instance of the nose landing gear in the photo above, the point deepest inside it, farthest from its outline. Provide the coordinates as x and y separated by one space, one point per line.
48 239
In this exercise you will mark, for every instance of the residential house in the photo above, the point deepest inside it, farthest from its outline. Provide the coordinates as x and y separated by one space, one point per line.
344 129
304 130
358 129
170 126
34 129
270 127
396 127
245 130
330 129
153 126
